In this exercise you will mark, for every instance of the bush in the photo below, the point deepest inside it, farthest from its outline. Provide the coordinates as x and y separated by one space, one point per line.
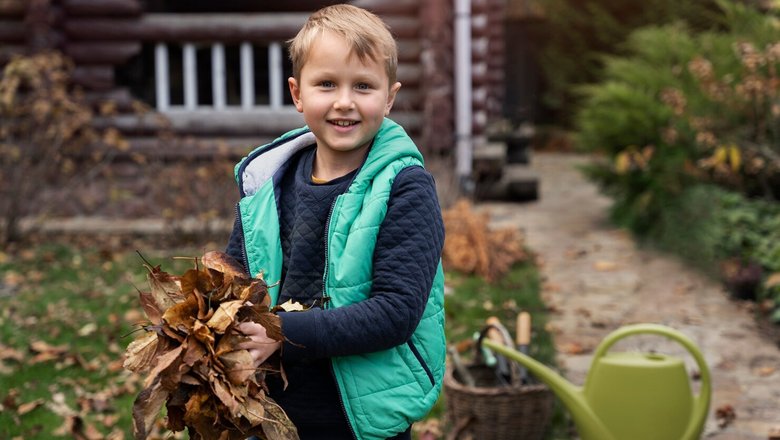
45 132
685 108
578 32
689 125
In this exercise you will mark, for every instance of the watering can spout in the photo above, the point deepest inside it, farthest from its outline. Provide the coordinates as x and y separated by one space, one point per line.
588 423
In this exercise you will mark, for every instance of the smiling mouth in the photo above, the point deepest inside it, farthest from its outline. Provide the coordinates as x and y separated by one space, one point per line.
343 123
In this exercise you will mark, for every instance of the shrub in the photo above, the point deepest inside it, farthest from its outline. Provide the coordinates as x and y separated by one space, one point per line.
684 108
578 32
689 125
45 129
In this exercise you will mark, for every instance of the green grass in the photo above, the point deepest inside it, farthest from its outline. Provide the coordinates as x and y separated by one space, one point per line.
84 301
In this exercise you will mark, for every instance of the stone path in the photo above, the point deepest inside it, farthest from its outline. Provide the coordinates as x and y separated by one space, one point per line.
597 279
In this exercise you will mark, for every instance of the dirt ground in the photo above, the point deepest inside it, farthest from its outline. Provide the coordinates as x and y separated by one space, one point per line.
597 279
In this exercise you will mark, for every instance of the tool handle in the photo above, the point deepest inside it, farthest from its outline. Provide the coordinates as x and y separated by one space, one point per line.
494 331
523 329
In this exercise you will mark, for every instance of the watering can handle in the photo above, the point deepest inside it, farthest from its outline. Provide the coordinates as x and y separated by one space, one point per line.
703 399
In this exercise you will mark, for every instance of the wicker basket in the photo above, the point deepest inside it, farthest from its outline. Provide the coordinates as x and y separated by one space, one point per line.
489 411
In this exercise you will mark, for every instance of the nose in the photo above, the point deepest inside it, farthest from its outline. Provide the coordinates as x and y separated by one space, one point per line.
344 100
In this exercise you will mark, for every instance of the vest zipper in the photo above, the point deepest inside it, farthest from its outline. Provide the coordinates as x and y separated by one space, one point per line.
325 305
325 297
243 241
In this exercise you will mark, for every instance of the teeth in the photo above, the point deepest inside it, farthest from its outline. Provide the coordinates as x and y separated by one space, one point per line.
343 123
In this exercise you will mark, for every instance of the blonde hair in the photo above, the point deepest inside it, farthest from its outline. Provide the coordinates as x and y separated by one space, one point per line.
366 34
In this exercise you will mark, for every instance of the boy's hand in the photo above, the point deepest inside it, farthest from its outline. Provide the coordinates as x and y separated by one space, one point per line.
261 346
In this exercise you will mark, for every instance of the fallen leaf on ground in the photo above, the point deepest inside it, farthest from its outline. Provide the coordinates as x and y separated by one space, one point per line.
29 406
572 348
605 266
725 414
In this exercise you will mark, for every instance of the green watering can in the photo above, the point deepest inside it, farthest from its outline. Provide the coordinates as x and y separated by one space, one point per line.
630 396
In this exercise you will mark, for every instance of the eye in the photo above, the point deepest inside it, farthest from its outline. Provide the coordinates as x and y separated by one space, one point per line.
327 84
362 86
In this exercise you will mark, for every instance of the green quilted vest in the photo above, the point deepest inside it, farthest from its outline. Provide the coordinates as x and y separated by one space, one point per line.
383 392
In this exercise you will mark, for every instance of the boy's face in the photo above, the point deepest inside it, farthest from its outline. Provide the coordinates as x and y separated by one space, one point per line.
343 99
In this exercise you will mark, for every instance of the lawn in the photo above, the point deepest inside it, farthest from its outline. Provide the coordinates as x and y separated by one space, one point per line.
67 313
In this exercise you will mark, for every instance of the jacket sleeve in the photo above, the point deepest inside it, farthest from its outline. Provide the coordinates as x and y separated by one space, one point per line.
406 257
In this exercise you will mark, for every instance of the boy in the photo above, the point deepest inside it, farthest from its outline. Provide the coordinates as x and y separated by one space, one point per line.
345 217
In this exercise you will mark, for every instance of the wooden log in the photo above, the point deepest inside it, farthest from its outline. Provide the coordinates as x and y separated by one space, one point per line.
209 27
384 8
13 8
207 122
198 148
102 8
7 51
12 31
96 78
120 97
102 52
403 27
409 75
408 99
409 50
225 122
227 28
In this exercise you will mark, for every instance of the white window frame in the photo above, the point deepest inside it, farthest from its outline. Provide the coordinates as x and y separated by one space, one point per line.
218 77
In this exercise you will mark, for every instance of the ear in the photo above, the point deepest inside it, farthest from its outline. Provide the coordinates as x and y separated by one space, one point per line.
295 92
391 97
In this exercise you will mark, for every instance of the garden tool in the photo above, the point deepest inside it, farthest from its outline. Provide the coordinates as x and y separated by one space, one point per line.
523 340
463 372
630 396
496 332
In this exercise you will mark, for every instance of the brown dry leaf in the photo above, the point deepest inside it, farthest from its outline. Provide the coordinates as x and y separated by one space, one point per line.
239 366
207 385
150 307
10 353
195 352
292 306
46 352
164 362
141 353
254 411
605 266
471 246
166 290
572 348
224 264
224 316
202 333
181 316
222 391
146 408
765 371
277 425
725 414
29 406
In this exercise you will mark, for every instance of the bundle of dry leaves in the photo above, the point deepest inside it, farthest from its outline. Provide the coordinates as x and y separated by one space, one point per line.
472 247
191 357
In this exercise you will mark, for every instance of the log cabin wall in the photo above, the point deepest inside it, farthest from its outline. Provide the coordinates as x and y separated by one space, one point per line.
109 40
